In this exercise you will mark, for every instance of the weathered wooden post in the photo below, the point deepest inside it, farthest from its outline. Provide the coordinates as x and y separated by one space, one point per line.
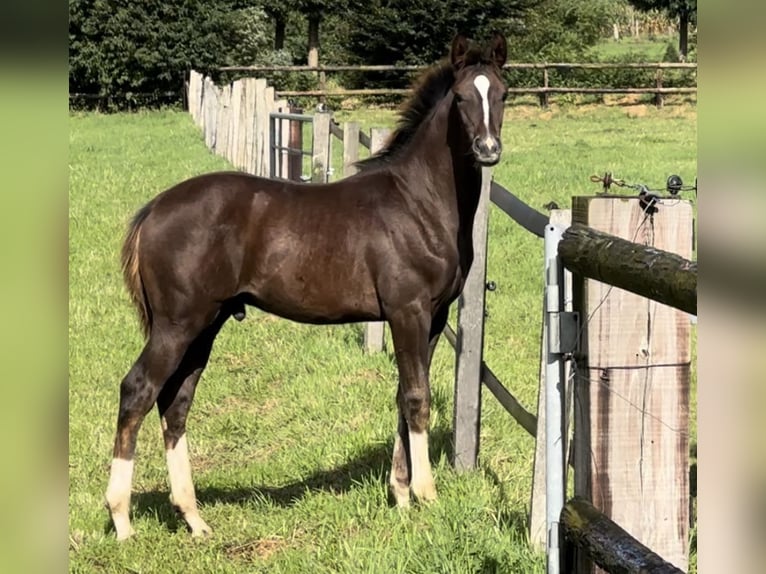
470 340
320 158
295 143
350 148
658 100
631 441
374 330
260 151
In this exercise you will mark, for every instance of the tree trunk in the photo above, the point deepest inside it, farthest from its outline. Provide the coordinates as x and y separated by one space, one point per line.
683 32
313 59
279 32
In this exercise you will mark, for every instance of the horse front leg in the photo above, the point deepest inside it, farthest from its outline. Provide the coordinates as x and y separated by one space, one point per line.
410 329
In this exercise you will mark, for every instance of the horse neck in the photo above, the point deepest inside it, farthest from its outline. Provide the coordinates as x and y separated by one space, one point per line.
442 157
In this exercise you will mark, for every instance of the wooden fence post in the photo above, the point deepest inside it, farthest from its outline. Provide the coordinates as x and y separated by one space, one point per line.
470 340
320 145
232 150
350 148
260 130
631 442
194 97
658 99
295 158
544 93
537 508
283 129
248 120
222 130
374 331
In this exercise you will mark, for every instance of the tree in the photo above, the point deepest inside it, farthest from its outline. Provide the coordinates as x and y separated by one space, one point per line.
419 31
684 10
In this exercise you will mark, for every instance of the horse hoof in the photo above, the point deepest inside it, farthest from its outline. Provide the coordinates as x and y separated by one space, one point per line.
401 496
201 530
425 493
125 534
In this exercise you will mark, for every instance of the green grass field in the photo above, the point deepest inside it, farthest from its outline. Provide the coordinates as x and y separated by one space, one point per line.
652 50
292 429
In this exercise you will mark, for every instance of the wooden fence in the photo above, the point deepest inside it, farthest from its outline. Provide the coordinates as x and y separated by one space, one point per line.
235 119
543 91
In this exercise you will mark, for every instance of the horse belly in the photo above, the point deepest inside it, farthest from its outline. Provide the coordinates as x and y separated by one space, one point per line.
315 290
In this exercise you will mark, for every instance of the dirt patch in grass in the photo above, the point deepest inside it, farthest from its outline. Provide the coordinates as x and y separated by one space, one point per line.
259 549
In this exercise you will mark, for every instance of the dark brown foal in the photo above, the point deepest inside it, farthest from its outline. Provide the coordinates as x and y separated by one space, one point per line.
393 243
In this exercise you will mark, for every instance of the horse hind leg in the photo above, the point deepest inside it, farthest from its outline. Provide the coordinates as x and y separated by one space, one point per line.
173 405
138 392
401 464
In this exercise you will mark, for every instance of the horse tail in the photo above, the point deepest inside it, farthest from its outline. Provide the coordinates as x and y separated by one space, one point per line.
130 269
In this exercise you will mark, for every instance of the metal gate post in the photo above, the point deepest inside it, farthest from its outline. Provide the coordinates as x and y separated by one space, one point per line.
554 395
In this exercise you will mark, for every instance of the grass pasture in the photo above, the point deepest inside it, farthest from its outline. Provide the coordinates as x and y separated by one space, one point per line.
292 428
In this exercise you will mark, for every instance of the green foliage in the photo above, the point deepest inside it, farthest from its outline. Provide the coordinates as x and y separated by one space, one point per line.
124 47
559 30
419 31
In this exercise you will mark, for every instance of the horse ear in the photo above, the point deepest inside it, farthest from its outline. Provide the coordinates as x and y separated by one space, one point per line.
498 49
459 49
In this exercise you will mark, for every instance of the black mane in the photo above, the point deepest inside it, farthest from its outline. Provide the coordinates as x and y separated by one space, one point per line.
428 91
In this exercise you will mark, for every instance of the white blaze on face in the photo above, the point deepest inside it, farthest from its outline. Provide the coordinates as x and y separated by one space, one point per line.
482 86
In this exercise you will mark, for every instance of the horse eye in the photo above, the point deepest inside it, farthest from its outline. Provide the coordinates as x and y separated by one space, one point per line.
505 95
458 98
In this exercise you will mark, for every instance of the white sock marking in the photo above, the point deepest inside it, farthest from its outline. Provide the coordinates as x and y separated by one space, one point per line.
120 478
118 496
482 86
181 485
422 481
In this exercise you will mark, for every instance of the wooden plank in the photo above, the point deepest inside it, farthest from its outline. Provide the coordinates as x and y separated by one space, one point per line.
212 97
470 330
350 148
194 97
283 137
374 331
236 104
249 125
527 420
270 108
222 129
242 126
320 146
537 508
632 387
609 545
260 165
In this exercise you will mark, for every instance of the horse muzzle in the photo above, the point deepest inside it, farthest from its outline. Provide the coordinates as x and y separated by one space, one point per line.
487 150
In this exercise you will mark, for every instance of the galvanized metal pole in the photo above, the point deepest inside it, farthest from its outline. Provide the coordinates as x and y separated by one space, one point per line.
554 395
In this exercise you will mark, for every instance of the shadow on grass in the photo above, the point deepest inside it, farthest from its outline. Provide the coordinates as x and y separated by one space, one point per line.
370 465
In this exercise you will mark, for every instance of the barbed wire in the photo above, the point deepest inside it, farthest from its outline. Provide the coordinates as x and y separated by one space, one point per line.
673 186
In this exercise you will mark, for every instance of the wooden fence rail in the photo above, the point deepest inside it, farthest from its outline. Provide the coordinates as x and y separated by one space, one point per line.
542 91
640 269
606 543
